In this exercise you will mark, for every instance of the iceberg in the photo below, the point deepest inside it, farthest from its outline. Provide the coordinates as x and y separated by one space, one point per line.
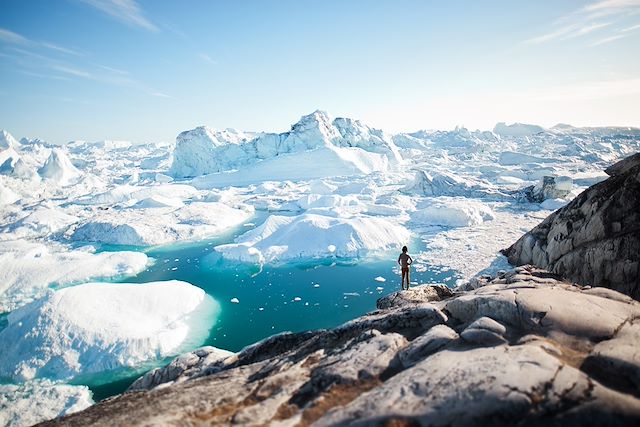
453 212
59 169
148 224
308 236
344 146
28 269
98 327
516 129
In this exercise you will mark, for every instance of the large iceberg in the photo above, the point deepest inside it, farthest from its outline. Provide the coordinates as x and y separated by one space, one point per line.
203 151
27 269
98 327
310 235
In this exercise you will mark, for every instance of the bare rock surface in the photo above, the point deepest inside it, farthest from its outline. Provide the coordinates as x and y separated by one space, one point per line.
415 295
595 239
565 355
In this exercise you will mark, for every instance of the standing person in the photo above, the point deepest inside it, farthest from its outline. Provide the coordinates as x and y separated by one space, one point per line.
405 261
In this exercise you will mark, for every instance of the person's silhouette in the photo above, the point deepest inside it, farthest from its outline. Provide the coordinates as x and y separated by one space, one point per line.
405 261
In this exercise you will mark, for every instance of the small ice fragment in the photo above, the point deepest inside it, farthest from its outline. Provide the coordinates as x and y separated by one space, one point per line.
331 248
380 279
176 260
297 299
260 308
379 289
174 268
235 300
249 224
316 286
306 303
351 294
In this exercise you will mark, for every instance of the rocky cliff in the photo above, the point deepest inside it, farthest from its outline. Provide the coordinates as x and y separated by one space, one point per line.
522 348
595 239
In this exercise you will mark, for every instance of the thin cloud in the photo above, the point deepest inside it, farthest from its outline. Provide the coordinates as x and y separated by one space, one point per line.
8 36
159 94
72 71
15 39
608 39
582 21
569 31
611 5
59 48
207 58
632 28
126 11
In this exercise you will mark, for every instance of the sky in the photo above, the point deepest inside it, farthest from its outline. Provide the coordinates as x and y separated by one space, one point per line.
146 70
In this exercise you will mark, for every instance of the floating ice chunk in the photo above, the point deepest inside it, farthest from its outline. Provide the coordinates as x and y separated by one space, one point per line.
160 177
316 285
260 308
98 327
516 129
7 196
379 289
331 248
7 140
553 204
40 400
509 158
235 300
143 227
59 169
297 299
380 279
351 294
453 212
310 236
157 201
28 269
42 221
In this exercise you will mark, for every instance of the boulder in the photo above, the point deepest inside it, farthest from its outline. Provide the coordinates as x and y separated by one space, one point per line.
416 295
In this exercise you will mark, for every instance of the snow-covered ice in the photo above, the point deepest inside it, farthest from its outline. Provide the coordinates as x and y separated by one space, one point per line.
329 189
40 400
144 226
453 212
98 327
308 236
27 269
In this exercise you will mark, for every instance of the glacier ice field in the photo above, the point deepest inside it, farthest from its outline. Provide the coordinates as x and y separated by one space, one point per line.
117 256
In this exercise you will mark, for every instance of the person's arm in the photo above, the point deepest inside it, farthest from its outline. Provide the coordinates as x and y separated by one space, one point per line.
410 260
399 259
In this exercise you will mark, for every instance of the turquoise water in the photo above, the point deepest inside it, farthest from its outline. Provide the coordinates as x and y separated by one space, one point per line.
315 295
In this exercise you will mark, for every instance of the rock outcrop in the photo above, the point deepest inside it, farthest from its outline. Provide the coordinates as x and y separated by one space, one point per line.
549 187
595 239
522 348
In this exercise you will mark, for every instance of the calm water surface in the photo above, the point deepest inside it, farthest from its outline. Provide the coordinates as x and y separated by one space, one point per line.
292 297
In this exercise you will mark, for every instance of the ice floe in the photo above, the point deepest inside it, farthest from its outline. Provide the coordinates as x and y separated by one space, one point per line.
98 327
308 236
27 269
